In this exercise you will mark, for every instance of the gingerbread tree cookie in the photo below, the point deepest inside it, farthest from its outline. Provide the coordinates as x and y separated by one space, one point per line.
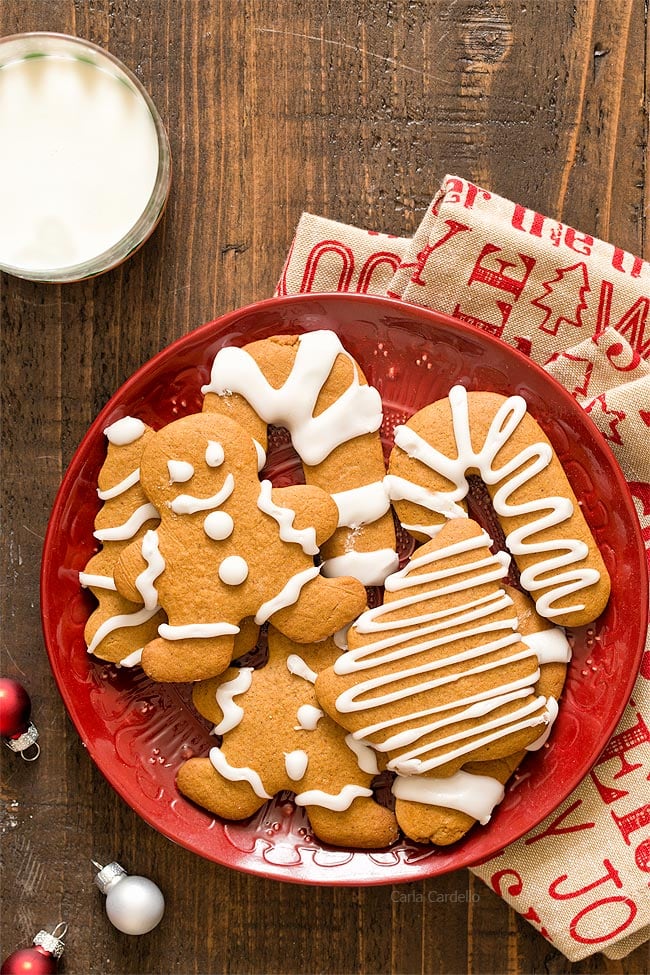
442 675
119 627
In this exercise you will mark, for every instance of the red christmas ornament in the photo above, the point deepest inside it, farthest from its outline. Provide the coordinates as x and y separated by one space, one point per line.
41 959
16 729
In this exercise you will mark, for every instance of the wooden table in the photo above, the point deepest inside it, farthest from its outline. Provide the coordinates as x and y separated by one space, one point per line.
354 111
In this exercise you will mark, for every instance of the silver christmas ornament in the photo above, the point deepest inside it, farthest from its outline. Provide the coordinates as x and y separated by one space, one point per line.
134 905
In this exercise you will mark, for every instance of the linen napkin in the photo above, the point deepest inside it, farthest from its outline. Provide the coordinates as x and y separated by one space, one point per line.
579 307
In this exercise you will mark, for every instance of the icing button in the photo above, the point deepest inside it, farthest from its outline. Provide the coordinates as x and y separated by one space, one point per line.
233 570
218 525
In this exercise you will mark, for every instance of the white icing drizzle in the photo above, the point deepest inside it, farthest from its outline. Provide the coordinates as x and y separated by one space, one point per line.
200 631
296 665
233 570
411 764
133 659
121 487
214 454
117 622
430 530
361 505
370 568
261 455
180 471
296 763
357 411
552 708
285 517
550 646
187 504
308 717
550 571
243 774
473 620
475 795
91 581
366 756
232 713
339 801
120 533
144 583
400 489
125 431
514 690
218 525
287 596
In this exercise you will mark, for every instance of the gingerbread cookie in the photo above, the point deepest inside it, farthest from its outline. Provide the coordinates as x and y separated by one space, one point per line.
431 809
118 628
227 548
309 384
439 674
275 737
544 528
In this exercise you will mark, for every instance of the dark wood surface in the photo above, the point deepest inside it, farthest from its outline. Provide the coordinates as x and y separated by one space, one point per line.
354 110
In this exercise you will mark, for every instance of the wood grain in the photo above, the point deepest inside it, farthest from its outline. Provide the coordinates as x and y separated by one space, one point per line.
354 111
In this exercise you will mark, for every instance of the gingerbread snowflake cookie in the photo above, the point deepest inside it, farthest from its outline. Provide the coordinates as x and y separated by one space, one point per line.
311 385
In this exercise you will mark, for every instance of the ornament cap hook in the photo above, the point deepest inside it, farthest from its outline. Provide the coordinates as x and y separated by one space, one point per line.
27 741
52 942
108 875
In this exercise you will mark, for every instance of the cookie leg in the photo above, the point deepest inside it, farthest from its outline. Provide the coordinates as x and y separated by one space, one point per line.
199 781
177 661
364 825
432 824
325 606
442 825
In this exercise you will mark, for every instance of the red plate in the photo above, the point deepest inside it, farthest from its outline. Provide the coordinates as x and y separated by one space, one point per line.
138 732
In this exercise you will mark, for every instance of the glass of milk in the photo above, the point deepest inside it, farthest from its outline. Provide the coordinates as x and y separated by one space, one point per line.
85 166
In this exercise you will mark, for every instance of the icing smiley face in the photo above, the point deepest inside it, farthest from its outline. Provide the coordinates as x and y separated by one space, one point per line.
227 548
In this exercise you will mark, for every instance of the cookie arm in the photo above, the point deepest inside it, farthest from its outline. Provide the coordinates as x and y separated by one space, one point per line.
127 569
199 781
313 507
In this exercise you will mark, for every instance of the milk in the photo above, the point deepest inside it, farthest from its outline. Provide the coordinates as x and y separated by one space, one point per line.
79 157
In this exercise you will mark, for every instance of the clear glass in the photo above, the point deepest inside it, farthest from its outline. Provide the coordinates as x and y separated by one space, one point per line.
18 47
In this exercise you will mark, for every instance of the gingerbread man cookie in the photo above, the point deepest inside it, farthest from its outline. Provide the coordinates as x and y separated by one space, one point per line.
275 737
228 548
